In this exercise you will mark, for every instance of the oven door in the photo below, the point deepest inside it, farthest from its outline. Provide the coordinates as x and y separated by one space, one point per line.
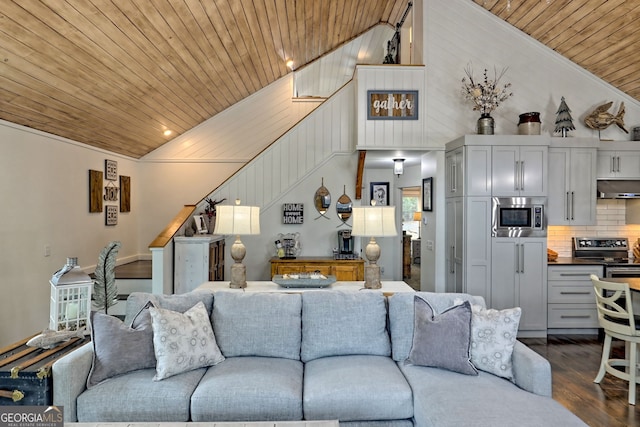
622 272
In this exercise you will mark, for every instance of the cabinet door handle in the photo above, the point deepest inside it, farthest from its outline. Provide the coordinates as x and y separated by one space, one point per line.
575 274
572 199
566 206
617 164
585 316
522 258
522 175
575 293
454 177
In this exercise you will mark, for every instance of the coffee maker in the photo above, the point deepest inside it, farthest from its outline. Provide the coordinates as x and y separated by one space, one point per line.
345 242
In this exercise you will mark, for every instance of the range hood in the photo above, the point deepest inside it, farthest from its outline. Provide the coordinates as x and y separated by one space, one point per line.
618 189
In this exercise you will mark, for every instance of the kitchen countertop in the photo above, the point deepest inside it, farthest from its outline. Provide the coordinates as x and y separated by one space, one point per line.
573 261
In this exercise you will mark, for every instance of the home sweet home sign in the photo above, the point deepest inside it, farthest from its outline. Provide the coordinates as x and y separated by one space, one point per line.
392 105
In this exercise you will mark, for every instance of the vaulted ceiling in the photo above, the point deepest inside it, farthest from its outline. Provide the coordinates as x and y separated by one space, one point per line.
116 74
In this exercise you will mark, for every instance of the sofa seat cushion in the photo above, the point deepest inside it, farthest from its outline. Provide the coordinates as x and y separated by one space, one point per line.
258 324
444 398
250 389
356 388
136 397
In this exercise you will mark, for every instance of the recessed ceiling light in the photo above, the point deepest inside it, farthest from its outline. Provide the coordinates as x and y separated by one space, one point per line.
290 64
167 132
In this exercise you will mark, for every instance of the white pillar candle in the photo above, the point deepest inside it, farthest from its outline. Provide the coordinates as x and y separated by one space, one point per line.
72 310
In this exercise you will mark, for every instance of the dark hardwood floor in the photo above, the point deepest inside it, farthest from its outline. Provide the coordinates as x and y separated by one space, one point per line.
575 360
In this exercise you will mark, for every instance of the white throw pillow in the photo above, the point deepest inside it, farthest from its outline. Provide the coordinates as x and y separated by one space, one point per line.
493 336
183 341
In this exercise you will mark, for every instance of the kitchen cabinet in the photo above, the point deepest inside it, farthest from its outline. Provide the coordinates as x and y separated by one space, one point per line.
519 279
519 170
345 270
619 160
572 186
468 171
468 245
571 299
197 259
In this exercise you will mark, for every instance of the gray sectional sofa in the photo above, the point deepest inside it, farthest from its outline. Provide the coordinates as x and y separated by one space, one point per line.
310 356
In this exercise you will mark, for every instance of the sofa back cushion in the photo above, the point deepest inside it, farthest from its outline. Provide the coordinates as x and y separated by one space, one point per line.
257 324
401 316
344 323
175 302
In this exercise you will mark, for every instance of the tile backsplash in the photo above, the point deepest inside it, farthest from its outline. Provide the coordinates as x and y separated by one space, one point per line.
611 223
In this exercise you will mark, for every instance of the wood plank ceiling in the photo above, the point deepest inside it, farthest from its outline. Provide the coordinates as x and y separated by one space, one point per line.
602 36
116 74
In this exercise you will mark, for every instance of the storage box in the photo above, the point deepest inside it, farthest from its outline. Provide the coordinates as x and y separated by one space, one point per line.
25 372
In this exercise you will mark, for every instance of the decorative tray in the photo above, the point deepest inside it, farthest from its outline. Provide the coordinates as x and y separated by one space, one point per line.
303 280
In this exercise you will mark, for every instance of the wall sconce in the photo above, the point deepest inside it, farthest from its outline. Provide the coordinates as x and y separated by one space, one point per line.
398 166
238 220
373 221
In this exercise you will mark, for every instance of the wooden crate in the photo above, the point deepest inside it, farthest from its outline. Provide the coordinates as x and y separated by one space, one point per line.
25 372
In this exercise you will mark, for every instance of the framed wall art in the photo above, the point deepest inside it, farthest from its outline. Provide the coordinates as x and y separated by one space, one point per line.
427 194
392 105
111 215
95 191
111 170
125 193
379 192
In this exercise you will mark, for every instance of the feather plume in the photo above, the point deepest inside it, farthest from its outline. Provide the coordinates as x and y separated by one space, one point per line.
105 291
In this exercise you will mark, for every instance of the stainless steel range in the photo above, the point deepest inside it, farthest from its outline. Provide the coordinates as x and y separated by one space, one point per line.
611 252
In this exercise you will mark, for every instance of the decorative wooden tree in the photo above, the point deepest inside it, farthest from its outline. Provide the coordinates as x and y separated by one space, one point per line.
564 121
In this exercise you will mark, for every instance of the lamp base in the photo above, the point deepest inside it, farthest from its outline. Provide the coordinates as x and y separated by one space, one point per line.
238 276
372 276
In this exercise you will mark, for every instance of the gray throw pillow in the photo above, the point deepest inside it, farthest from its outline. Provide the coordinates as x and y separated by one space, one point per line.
183 341
442 340
118 348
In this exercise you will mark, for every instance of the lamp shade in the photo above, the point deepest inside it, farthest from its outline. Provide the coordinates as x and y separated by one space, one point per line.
238 220
374 221
417 216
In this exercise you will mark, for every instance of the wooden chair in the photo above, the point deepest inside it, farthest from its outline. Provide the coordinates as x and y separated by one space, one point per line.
615 316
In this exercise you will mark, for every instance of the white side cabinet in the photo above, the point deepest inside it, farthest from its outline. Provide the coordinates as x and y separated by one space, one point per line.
468 169
572 302
572 185
197 259
618 160
519 279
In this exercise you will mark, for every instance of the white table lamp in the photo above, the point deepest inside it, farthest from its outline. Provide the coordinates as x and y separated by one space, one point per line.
373 221
238 220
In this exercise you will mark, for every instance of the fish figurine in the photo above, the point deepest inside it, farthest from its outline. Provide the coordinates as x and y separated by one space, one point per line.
601 119
49 338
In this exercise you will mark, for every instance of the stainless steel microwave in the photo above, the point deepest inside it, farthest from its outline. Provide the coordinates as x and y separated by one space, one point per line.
518 217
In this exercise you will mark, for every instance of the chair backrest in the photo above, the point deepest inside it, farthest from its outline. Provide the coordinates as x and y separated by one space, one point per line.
615 310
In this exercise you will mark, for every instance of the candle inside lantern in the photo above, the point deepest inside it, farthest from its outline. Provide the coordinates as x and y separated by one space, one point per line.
72 311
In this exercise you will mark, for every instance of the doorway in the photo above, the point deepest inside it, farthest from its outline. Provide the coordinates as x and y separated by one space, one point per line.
411 230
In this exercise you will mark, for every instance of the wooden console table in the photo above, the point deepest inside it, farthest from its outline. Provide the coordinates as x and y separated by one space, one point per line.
343 269
388 288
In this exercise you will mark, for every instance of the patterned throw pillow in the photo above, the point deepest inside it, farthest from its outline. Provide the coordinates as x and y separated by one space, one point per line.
442 340
183 341
493 335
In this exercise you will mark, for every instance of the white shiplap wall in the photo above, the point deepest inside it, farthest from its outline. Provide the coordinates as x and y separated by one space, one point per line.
378 134
326 131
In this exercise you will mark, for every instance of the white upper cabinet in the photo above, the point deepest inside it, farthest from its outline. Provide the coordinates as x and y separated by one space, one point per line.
618 160
519 171
468 171
572 185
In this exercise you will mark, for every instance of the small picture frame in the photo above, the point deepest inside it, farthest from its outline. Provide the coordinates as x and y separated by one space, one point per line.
110 170
379 192
201 225
111 215
427 194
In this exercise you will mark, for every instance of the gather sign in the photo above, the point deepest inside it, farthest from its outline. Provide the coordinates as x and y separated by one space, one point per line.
392 105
